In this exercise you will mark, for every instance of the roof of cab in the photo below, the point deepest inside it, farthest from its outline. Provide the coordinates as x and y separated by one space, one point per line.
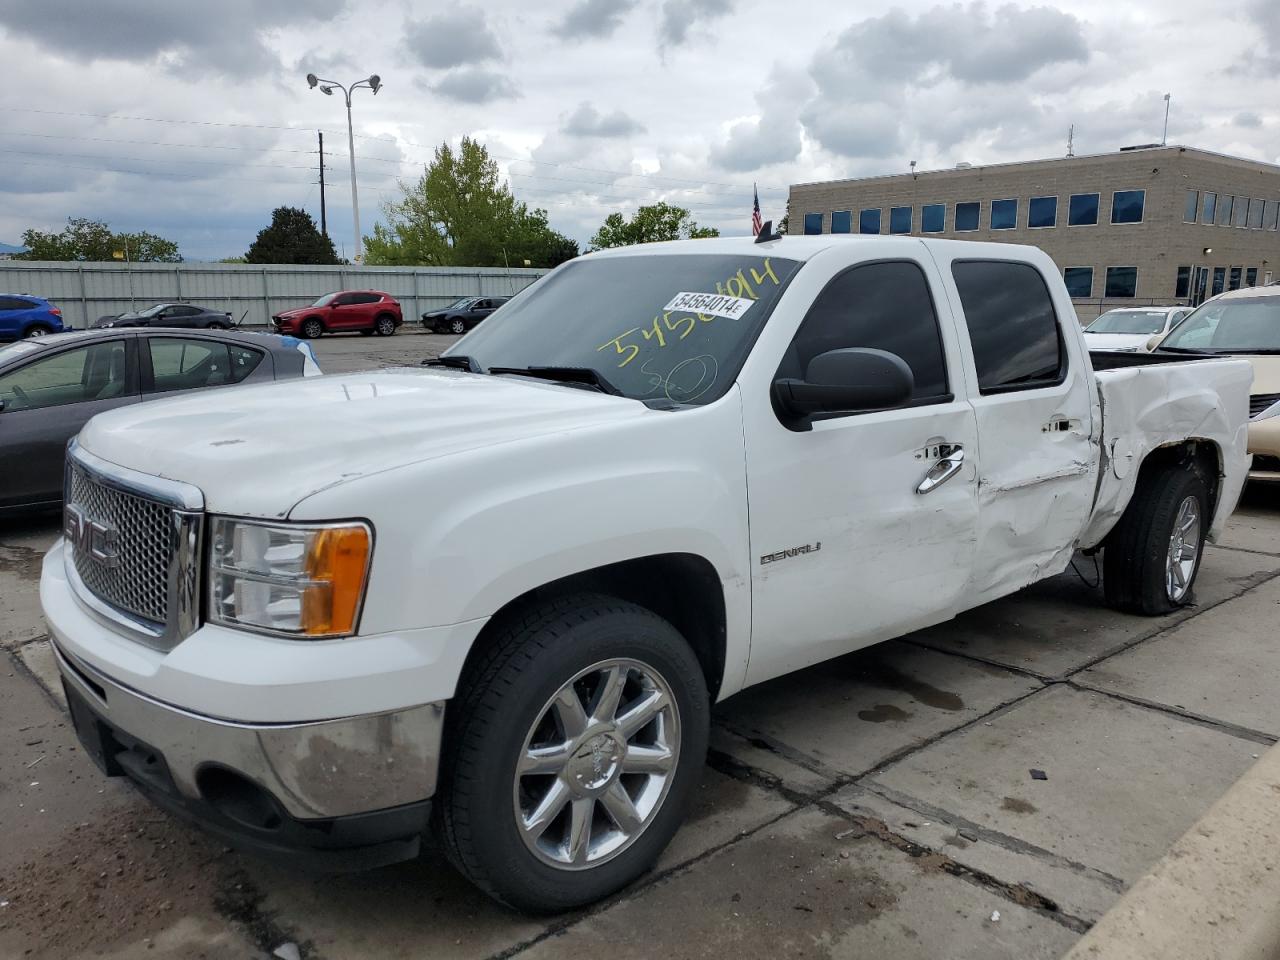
802 247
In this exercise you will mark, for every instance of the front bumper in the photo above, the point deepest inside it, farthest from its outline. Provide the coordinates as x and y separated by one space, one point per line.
1264 444
346 794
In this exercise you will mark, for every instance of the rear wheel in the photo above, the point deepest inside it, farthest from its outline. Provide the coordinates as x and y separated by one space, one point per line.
37 330
456 325
312 328
572 754
1154 553
385 325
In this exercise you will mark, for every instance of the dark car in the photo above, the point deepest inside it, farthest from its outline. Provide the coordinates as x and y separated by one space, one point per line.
462 315
50 387
22 316
365 311
171 315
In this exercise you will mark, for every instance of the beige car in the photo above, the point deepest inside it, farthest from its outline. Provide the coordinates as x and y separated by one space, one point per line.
1244 323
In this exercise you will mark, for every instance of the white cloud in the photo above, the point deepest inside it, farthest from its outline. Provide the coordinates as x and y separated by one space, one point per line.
461 36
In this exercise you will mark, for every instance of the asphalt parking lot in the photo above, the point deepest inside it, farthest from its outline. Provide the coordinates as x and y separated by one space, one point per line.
882 804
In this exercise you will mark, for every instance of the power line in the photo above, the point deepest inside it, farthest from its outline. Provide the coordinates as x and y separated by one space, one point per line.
150 143
199 123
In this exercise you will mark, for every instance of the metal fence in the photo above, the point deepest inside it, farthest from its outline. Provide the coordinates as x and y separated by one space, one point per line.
86 291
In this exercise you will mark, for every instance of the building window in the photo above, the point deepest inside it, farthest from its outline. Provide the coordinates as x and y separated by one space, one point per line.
812 223
968 217
1012 325
1210 208
1224 211
1042 212
1234 282
1240 212
1079 281
1121 282
1255 214
1004 214
899 219
1271 216
1126 206
1192 206
869 220
1182 288
1219 280
841 221
933 218
1082 210
1251 277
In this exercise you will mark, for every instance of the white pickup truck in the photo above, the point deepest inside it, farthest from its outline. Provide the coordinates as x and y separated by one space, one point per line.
497 596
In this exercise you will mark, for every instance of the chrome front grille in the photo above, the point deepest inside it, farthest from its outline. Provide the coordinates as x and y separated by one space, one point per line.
133 548
137 577
1260 401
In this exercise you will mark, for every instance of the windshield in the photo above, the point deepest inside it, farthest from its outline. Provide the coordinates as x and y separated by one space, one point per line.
15 350
460 303
1246 325
324 301
673 329
1129 321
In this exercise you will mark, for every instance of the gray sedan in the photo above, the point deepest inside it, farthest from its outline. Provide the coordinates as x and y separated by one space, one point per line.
171 315
51 386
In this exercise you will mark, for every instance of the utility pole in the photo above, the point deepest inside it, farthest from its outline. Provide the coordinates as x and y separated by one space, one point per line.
1164 137
324 223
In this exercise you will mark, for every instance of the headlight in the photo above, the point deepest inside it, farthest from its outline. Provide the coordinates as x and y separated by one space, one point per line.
294 579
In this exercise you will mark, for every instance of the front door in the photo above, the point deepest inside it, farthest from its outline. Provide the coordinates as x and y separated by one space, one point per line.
847 546
46 402
1034 408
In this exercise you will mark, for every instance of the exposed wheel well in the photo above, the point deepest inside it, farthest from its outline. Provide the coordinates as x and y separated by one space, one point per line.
1204 456
682 588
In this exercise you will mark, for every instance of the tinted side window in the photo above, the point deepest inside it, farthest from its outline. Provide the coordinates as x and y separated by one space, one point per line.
178 364
244 360
13 303
96 372
1012 325
885 306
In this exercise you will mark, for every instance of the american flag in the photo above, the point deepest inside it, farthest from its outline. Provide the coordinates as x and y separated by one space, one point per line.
756 222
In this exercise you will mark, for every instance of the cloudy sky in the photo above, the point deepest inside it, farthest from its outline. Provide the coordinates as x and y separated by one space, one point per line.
194 121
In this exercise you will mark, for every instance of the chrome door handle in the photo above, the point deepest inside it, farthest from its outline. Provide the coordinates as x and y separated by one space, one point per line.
943 470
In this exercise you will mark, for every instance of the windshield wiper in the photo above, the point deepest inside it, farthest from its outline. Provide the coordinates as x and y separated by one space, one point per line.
584 376
1181 350
455 361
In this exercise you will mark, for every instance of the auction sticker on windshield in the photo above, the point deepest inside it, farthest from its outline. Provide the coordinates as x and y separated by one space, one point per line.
710 304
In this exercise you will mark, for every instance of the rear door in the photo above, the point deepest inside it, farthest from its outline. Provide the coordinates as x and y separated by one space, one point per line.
47 401
176 364
849 546
13 312
1033 401
367 307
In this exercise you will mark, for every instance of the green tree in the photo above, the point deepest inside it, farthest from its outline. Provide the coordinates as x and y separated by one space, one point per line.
291 238
92 240
460 213
651 224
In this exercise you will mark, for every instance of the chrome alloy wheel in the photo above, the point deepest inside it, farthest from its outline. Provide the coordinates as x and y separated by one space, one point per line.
597 764
1184 550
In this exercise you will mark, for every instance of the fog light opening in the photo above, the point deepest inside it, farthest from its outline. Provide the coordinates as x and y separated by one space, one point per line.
238 798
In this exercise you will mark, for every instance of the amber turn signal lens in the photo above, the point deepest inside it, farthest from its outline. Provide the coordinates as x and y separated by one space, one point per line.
336 566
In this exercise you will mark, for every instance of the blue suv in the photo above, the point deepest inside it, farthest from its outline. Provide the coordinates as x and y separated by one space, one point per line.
22 316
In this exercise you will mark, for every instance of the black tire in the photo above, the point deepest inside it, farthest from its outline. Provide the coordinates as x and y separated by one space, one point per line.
37 330
499 700
1137 550
366 333
216 326
384 325
457 325
311 328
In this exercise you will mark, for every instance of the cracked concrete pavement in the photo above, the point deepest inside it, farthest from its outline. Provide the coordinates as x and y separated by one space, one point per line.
881 804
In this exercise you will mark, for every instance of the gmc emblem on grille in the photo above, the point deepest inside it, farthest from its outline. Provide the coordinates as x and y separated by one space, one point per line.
100 541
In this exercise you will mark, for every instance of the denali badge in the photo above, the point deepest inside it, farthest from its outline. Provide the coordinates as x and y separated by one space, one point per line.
101 541
788 554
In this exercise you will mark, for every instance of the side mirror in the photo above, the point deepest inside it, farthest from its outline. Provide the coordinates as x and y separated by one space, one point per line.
1154 341
850 380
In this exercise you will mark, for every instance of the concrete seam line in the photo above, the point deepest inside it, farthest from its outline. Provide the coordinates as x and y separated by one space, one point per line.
974 658
1198 719
1260 553
22 668
1213 896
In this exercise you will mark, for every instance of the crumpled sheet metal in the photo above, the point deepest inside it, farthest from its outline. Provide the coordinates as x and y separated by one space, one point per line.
1145 408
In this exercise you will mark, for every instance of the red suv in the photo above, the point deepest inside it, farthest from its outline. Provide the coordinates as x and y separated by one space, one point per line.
368 311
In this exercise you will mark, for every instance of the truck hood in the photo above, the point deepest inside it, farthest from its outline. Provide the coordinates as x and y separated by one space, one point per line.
257 451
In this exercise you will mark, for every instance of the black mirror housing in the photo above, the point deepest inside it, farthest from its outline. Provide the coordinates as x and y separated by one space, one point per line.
849 380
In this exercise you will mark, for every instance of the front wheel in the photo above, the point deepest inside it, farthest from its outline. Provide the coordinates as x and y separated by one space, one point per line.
573 751
1153 554
456 325
311 329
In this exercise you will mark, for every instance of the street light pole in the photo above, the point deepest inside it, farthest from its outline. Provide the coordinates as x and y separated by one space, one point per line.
374 83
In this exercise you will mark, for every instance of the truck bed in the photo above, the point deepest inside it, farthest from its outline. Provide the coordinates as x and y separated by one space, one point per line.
1158 399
